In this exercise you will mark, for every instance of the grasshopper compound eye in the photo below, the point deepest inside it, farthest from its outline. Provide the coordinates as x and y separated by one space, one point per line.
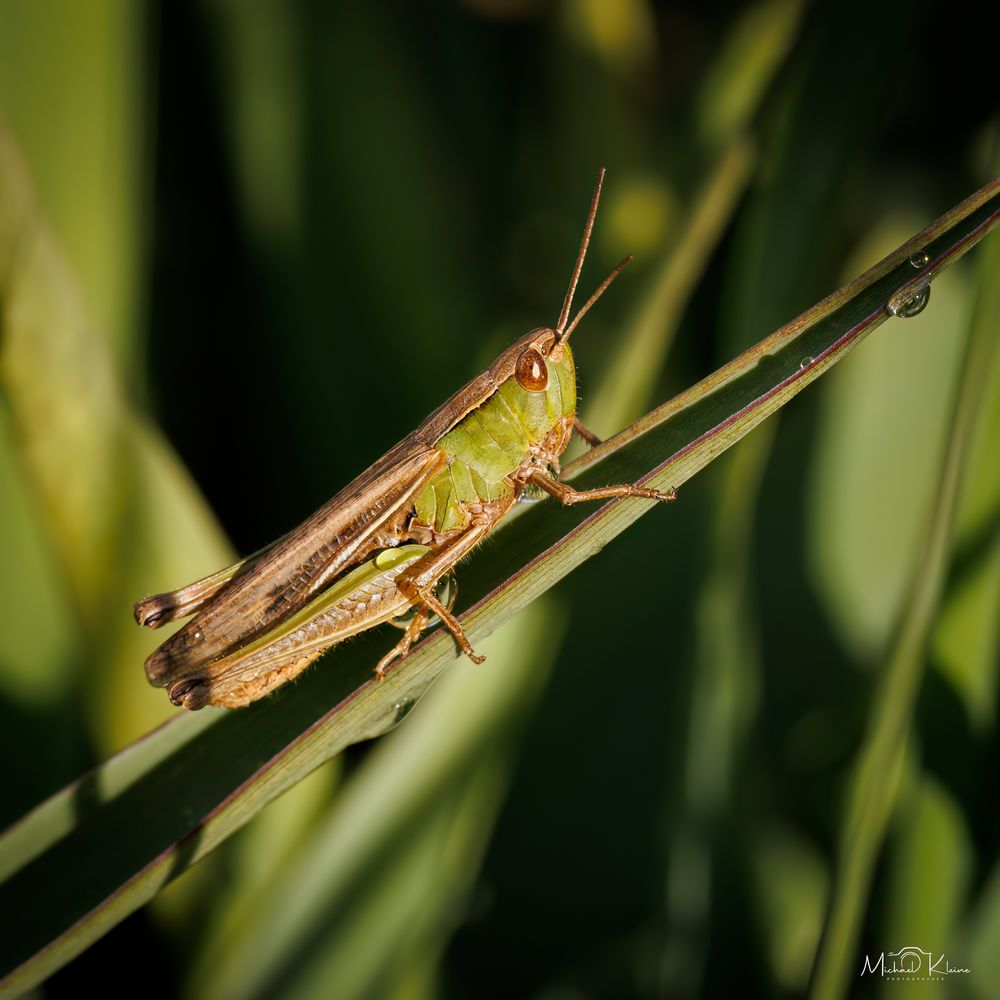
531 371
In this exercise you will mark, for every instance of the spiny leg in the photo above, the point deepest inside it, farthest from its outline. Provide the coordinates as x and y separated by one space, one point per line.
402 648
588 435
419 584
454 626
567 495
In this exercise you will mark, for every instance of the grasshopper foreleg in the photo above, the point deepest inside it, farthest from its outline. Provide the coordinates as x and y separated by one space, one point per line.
567 495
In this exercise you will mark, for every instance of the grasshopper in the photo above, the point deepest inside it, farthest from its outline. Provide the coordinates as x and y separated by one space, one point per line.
384 545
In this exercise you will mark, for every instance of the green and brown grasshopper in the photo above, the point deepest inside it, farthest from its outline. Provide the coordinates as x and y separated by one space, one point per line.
383 546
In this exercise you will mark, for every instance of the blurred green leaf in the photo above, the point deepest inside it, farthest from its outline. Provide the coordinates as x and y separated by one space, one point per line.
930 870
36 635
71 87
745 67
967 640
980 935
881 760
118 511
628 383
870 494
792 885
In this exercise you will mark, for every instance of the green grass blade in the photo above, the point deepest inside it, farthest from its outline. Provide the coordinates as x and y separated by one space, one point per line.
87 149
630 378
335 894
883 756
124 847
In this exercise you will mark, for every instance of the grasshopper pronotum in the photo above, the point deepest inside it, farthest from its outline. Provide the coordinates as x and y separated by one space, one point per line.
383 545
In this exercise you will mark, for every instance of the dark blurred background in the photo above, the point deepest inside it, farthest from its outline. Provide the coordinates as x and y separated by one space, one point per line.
298 227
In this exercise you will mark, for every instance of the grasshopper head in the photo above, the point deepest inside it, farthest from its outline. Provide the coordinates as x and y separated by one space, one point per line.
540 380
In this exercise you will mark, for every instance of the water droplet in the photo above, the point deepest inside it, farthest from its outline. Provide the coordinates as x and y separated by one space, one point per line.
807 361
530 493
909 307
402 709
919 259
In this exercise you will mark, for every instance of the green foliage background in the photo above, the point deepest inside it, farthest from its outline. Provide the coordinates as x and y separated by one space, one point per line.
297 227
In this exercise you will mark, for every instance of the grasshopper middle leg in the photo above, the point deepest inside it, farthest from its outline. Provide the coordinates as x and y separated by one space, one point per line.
402 648
588 435
418 585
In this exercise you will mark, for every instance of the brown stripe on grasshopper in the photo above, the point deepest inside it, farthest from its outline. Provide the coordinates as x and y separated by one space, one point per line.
441 490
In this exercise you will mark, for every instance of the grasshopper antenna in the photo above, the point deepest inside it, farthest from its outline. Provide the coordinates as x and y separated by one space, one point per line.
562 330
601 289
584 243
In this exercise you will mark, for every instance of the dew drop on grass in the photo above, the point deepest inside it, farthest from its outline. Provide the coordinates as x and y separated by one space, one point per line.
910 307
919 259
402 709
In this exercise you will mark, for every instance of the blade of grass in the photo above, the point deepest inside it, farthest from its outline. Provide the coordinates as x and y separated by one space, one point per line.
881 758
86 149
777 258
631 376
751 54
745 67
123 849
467 731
